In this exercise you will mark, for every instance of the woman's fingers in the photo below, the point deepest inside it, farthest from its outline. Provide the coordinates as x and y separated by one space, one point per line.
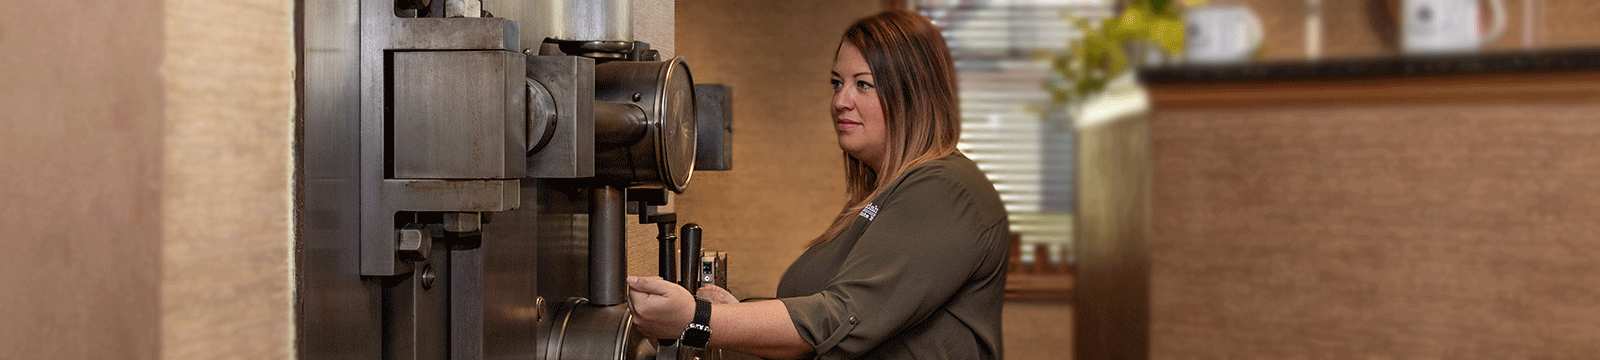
652 285
715 294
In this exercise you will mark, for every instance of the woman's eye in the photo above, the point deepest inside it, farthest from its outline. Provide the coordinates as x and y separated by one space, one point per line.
862 85
836 84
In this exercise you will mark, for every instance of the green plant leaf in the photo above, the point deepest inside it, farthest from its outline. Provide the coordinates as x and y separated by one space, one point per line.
1168 33
1134 22
1160 6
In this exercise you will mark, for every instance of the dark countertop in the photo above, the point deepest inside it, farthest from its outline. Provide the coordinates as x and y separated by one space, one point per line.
1539 61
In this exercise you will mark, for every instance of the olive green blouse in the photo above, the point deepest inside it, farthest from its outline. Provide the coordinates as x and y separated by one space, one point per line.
920 274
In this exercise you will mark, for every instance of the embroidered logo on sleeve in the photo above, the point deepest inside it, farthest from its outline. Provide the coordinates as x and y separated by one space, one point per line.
869 212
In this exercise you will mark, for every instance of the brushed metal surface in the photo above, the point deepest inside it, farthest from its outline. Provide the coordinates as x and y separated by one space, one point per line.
609 20
380 196
337 311
570 151
458 114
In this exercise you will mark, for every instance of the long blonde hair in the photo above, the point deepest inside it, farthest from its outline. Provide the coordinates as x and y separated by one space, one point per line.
916 85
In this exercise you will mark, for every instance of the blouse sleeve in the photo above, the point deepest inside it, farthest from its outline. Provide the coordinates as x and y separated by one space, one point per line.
914 254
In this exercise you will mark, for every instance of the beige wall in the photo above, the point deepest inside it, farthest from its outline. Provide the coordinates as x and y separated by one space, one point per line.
227 287
146 172
80 180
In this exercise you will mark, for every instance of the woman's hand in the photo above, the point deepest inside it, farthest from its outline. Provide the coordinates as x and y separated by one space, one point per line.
715 294
661 310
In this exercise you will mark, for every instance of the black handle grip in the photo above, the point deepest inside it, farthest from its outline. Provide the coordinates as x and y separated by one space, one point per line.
690 257
669 252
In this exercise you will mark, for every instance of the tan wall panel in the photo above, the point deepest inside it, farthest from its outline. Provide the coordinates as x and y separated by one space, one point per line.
1433 231
80 179
227 286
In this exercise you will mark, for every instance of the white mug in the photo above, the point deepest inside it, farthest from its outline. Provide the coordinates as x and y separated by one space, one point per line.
1448 26
1221 34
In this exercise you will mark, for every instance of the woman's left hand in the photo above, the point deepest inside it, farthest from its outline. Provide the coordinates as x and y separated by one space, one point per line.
661 309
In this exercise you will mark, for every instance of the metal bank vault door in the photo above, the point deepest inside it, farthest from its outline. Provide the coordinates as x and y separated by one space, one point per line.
448 167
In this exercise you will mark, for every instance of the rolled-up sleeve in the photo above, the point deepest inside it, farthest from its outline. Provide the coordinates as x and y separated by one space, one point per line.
911 258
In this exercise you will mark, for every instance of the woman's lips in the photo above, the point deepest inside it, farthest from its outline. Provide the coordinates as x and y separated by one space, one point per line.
844 125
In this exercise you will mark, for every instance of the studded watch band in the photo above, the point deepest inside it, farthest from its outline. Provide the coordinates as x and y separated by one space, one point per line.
699 330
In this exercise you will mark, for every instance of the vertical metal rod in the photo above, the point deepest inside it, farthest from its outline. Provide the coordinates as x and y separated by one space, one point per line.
607 247
691 257
669 252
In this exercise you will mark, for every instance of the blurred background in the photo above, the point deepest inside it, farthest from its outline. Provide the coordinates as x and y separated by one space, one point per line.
1318 189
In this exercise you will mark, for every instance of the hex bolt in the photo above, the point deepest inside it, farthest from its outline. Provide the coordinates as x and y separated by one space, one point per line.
462 222
427 277
415 242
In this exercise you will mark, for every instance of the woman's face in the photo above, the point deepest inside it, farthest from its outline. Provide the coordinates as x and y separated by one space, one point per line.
857 115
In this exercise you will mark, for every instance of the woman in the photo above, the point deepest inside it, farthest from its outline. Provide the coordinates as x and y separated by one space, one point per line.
914 265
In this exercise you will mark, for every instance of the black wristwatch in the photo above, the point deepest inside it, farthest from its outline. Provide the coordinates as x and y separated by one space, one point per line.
699 331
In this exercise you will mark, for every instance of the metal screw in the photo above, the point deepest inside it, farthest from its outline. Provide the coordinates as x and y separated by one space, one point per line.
541 310
427 277
414 242
637 97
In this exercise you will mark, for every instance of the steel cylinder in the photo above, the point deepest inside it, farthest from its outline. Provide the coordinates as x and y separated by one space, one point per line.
618 125
664 91
608 247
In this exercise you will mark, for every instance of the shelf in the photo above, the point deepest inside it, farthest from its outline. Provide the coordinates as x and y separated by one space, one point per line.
1555 75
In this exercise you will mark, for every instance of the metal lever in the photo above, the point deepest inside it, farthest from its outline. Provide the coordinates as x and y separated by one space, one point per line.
668 257
690 255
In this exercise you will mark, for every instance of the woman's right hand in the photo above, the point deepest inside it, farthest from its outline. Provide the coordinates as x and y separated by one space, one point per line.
715 295
661 309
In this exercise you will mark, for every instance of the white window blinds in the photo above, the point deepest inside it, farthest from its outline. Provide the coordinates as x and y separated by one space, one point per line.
1006 128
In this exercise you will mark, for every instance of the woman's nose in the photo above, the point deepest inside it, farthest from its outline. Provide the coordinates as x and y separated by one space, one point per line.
842 101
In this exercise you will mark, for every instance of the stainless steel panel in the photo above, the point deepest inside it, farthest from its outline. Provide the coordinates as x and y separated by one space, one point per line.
416 312
337 311
458 115
496 314
563 216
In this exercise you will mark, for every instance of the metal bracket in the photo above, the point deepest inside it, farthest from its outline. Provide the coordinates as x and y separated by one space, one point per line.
570 151
424 181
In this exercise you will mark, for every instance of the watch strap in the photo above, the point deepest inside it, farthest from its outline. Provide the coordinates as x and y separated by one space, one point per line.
699 331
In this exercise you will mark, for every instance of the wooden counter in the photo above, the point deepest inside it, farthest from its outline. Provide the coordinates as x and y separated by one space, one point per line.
1389 208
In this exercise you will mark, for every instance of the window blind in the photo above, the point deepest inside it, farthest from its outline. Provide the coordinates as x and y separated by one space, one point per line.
1006 126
